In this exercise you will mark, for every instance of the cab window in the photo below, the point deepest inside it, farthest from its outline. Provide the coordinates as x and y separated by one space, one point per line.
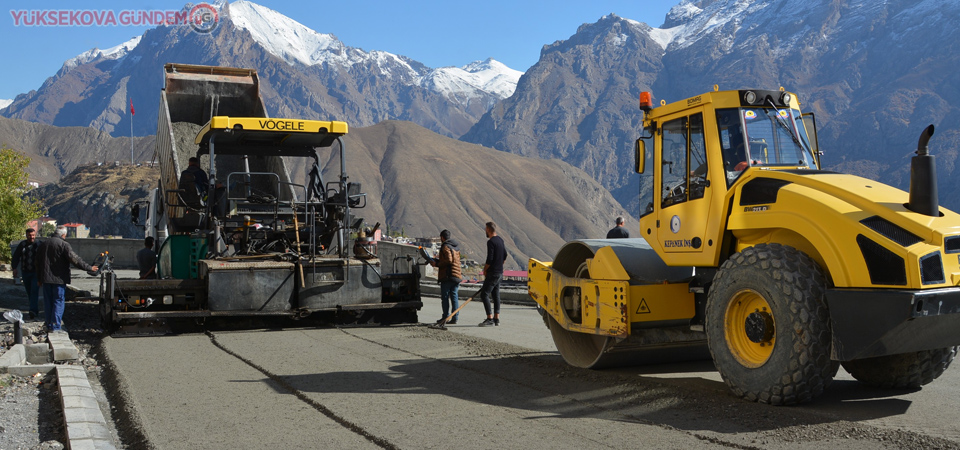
732 145
684 167
647 191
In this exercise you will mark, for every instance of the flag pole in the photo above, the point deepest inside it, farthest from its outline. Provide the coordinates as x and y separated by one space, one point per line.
131 131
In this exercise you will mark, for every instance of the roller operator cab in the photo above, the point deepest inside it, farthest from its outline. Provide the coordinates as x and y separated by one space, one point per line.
754 256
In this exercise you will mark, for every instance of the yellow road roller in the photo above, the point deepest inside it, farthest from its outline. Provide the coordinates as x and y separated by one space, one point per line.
753 256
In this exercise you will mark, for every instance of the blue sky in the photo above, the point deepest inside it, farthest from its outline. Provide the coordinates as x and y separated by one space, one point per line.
435 32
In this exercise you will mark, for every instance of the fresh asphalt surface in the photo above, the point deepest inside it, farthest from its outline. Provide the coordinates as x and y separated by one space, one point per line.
473 387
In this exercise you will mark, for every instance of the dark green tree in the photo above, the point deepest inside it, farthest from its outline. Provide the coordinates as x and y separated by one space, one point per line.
15 208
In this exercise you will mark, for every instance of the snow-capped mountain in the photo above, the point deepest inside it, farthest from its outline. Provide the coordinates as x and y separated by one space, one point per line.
114 53
305 73
874 72
5 102
297 44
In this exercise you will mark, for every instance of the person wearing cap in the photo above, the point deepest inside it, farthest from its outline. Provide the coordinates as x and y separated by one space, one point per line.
449 276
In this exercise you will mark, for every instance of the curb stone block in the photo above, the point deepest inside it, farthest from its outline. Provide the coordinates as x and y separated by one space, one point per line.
76 391
38 353
87 430
63 348
91 444
29 371
80 402
72 381
88 415
15 356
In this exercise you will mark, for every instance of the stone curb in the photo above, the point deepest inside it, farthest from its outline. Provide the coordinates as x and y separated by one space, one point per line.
14 362
62 347
15 356
84 422
86 427
29 370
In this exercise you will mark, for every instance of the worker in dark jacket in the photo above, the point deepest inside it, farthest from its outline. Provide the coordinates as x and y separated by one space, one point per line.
492 274
25 256
53 273
619 231
448 274
199 175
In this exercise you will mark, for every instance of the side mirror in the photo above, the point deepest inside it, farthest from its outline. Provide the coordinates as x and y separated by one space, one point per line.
639 155
135 214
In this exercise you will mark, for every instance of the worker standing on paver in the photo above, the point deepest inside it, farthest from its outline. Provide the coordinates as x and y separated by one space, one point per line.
199 175
25 256
492 274
53 272
147 260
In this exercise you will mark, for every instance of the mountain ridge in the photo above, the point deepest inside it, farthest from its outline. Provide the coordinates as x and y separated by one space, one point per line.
578 103
363 88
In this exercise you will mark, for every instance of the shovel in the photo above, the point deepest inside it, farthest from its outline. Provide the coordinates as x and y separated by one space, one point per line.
443 325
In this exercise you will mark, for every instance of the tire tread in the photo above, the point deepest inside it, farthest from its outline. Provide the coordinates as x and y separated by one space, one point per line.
801 283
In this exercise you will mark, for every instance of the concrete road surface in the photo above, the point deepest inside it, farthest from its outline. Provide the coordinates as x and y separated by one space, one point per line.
470 387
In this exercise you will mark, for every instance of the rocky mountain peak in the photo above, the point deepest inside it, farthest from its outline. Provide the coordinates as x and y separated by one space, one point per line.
304 73
578 103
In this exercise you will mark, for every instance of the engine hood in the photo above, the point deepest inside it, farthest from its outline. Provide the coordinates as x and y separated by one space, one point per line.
866 196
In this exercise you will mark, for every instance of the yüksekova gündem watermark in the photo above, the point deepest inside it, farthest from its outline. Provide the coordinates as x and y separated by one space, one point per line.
203 18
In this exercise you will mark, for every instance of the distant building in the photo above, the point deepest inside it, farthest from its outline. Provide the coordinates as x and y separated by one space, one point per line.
431 245
77 230
515 275
37 224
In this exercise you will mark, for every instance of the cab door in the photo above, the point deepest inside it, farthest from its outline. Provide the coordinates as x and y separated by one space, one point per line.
684 186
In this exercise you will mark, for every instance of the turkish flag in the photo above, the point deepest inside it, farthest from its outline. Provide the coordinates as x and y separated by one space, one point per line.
131 107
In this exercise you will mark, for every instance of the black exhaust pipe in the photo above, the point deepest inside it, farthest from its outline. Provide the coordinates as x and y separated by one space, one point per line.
923 179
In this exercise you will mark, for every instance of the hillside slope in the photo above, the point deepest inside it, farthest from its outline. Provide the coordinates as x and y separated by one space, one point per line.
56 151
425 182
100 197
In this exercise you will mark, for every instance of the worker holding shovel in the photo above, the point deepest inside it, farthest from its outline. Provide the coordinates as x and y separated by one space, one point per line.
448 274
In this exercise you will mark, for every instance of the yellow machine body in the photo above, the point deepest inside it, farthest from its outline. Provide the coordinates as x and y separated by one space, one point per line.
705 206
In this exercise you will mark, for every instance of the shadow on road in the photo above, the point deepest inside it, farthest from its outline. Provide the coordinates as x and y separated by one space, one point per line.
543 385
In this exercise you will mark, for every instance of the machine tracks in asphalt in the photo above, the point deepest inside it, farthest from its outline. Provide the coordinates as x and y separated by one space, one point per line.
533 370
386 444
539 388
359 430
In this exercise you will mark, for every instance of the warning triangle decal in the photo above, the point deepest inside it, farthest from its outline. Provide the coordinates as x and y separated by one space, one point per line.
643 309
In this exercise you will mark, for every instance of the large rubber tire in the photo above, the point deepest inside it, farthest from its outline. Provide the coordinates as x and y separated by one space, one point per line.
904 371
791 363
